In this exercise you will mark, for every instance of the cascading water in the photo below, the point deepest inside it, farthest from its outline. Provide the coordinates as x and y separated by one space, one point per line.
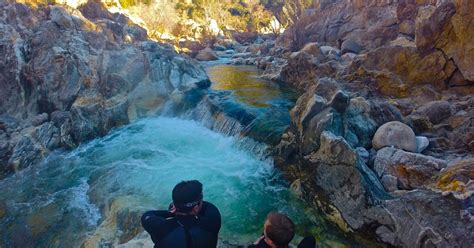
96 193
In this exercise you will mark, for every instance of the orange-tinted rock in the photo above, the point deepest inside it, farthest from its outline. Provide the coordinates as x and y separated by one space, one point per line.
401 68
412 170
457 179
206 54
456 40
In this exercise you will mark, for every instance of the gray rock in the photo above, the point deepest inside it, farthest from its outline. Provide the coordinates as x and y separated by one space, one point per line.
219 48
389 182
363 154
25 153
360 122
40 119
340 101
89 81
411 169
60 117
436 111
350 46
395 134
334 149
349 57
297 188
422 143
59 16
48 135
5 152
328 50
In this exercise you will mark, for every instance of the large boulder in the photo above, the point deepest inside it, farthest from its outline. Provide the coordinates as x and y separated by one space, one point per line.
350 46
207 54
411 170
436 111
395 134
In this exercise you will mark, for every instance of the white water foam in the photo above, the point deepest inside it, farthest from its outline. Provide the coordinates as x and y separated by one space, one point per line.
80 202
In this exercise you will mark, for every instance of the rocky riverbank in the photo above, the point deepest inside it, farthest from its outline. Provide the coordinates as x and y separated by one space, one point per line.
70 75
381 138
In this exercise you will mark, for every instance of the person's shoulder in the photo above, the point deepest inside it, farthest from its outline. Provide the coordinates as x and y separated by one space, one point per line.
209 205
211 208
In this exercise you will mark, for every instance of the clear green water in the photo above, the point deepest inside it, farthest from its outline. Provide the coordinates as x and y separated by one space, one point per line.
265 103
63 201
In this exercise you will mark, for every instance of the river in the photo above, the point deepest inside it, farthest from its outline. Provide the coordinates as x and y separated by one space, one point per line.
96 193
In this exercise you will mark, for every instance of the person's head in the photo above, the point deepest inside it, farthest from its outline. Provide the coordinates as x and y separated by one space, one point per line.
278 229
187 197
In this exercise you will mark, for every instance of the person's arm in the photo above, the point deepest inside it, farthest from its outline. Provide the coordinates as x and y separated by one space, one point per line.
259 243
210 217
161 213
307 242
153 220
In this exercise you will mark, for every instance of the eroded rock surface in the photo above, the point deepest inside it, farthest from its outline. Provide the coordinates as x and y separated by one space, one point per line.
71 75
398 64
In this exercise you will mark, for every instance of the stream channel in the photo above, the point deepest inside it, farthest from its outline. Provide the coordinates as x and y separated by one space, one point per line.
88 194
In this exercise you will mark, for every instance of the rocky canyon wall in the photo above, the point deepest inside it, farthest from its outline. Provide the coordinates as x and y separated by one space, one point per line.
381 137
70 75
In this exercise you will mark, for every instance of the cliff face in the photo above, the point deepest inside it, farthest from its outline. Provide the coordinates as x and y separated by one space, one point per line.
430 26
359 65
71 75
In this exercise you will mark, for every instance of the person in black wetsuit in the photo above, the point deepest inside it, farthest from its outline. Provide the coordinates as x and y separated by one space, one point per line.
190 222
278 231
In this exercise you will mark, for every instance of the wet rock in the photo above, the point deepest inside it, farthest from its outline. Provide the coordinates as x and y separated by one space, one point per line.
3 209
48 136
395 134
5 153
411 170
297 187
359 117
120 224
142 240
350 46
422 143
25 153
43 219
206 54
